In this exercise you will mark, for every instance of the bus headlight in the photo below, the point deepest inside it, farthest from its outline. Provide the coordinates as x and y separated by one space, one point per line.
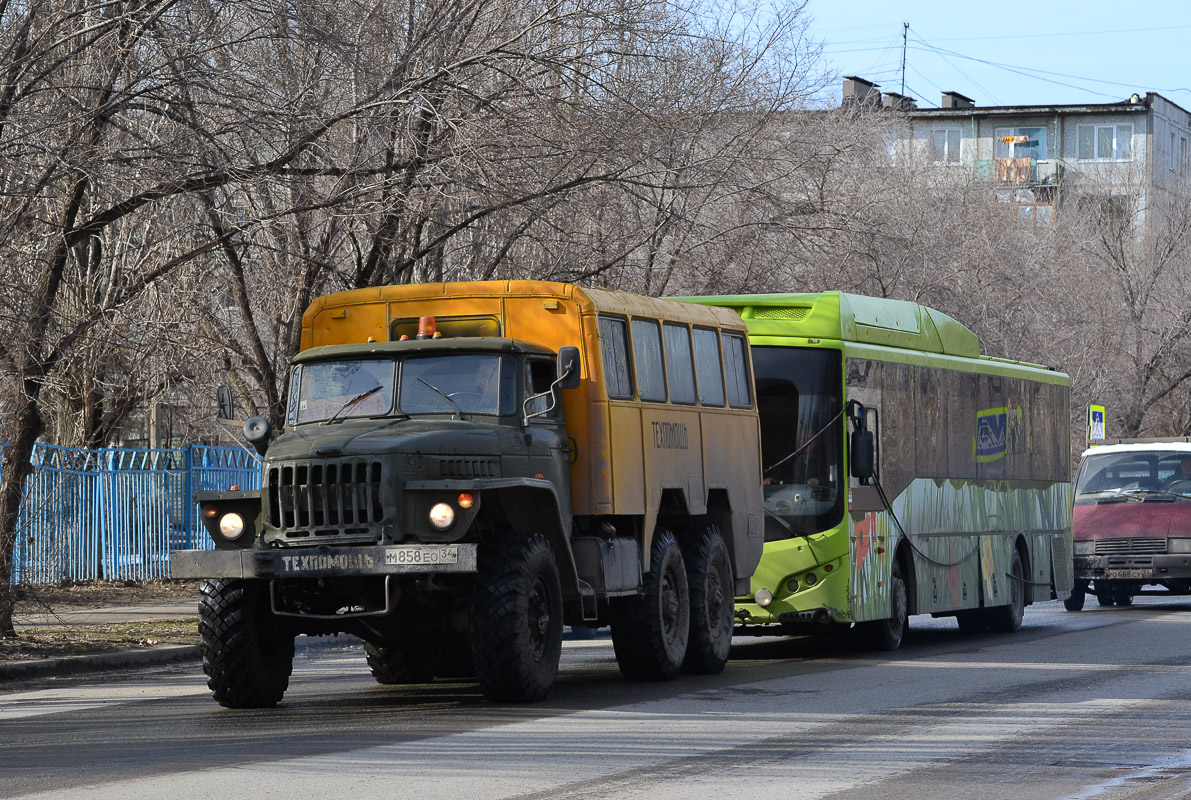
231 525
442 516
763 597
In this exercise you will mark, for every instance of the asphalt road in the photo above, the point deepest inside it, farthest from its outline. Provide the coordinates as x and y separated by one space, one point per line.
1087 705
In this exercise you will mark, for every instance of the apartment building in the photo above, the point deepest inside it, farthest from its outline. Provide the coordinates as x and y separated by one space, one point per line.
1044 157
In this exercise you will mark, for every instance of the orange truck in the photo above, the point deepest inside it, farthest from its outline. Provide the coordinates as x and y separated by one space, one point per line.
465 468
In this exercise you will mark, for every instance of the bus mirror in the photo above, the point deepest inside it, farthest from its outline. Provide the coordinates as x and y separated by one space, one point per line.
226 409
862 455
568 367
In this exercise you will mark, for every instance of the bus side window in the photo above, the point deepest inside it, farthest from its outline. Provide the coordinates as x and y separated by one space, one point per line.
614 349
708 369
679 373
647 358
736 370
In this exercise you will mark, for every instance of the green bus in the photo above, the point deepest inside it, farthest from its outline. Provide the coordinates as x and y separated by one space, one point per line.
904 472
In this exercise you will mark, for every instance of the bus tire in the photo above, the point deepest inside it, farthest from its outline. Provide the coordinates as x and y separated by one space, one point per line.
247 657
516 625
1075 600
650 632
709 585
887 634
1007 618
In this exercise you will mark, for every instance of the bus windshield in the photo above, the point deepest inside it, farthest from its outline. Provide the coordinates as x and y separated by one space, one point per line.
466 383
1133 472
799 395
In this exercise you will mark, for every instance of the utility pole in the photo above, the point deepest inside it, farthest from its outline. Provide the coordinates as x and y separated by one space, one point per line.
905 30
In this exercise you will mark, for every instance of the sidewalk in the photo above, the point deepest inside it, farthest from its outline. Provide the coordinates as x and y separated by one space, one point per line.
94 662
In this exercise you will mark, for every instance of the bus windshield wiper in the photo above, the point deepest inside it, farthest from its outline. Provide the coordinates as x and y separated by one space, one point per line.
352 402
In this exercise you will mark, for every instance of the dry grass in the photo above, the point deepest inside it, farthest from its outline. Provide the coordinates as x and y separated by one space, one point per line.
66 638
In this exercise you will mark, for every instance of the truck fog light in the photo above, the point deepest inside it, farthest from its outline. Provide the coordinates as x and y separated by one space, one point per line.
763 597
442 516
466 500
231 525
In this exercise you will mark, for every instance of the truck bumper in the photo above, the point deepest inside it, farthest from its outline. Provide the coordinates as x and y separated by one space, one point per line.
324 562
1143 568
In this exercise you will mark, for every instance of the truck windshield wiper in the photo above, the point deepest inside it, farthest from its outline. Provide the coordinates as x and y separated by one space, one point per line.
352 402
443 395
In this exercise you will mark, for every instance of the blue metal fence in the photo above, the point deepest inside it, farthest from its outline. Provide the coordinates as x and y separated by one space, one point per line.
117 514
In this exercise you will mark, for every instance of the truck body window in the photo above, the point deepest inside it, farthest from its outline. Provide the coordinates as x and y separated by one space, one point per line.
680 373
708 370
647 359
614 348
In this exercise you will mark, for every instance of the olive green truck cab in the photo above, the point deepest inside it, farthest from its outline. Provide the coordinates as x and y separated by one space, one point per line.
466 468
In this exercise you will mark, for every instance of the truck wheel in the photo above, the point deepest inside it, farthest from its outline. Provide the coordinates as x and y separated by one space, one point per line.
398 664
649 633
1105 594
1007 619
887 634
709 583
1123 595
516 636
247 656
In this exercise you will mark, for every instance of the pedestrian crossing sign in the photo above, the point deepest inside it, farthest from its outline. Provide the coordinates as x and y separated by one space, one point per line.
1095 423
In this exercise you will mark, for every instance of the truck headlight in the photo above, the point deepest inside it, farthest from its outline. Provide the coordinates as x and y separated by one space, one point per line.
1179 545
1084 548
231 525
442 516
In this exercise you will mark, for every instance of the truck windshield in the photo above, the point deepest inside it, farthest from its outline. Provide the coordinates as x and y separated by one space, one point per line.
1133 472
467 383
799 395
335 389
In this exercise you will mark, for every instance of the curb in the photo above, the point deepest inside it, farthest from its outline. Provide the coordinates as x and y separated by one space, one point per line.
98 662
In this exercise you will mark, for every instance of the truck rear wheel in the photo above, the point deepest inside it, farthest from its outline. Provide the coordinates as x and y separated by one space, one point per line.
399 664
650 632
709 583
516 636
247 657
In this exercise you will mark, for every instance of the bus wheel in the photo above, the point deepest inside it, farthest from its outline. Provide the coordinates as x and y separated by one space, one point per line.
1123 595
1076 600
1007 619
709 581
516 626
887 634
649 633
247 656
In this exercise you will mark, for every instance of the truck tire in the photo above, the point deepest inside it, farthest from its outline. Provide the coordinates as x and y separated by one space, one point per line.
399 664
1075 601
709 584
247 656
650 632
516 625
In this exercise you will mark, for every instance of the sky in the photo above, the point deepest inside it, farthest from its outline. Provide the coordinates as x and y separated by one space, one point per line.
1011 53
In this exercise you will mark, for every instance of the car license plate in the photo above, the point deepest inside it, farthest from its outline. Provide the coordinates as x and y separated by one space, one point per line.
419 555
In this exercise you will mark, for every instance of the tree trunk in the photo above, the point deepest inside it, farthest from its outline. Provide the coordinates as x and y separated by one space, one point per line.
17 468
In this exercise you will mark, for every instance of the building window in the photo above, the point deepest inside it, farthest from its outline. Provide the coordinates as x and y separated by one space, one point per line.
1182 155
1105 142
944 146
1174 154
1020 143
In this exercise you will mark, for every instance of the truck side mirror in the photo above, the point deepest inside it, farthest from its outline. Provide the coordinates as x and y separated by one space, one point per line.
569 371
257 431
226 408
862 455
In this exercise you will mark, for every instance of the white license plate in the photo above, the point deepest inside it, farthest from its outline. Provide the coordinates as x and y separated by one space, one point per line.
1128 573
419 555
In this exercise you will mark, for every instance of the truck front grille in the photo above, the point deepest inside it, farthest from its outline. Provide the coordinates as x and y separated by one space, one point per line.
309 499
1108 547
